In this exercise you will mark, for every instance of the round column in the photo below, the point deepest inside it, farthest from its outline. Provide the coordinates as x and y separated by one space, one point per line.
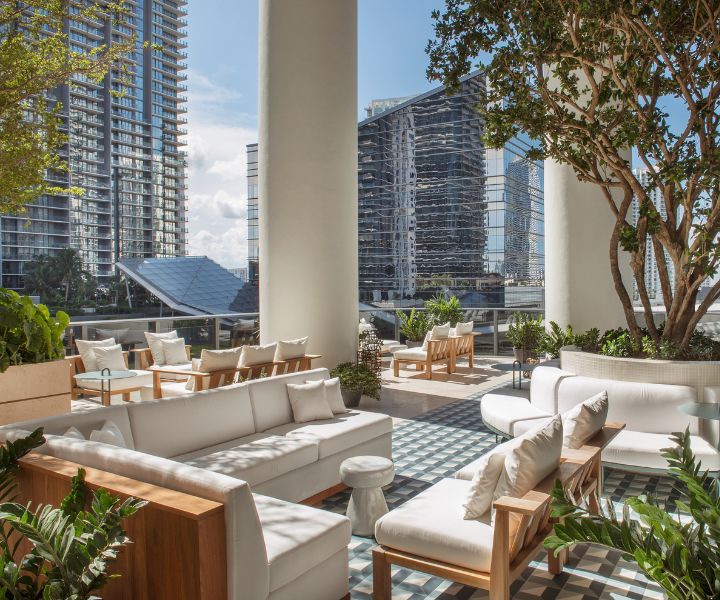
308 175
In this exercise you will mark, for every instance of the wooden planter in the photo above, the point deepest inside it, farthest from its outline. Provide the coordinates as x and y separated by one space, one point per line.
34 391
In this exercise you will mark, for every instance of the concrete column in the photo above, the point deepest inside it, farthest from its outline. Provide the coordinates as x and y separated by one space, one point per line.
579 289
308 174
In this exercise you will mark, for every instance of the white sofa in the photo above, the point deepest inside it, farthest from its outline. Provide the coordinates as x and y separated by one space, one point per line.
225 444
649 410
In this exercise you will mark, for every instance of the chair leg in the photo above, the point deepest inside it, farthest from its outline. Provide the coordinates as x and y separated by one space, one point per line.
396 367
382 582
126 397
556 563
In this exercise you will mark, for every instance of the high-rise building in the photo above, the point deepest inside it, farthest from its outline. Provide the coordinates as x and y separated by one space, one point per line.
440 212
379 106
124 150
252 213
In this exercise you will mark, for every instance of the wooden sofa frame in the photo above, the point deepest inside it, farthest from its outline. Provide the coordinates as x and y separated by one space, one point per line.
77 367
441 351
581 473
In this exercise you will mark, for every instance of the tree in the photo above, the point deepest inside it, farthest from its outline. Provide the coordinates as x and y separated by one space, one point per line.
36 57
590 80
59 277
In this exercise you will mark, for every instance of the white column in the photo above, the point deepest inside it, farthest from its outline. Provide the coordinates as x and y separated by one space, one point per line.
308 174
579 289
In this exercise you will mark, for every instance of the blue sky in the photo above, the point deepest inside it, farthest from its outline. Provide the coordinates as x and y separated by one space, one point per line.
222 49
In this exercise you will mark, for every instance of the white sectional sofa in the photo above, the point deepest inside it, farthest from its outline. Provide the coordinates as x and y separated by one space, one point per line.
649 410
239 445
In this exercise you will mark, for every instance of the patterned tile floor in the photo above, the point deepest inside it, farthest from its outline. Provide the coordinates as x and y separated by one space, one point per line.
435 445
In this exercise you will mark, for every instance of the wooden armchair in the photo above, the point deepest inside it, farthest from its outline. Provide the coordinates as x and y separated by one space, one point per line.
465 347
441 351
295 365
78 387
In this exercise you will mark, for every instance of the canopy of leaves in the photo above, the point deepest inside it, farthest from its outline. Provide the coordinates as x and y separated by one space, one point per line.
60 280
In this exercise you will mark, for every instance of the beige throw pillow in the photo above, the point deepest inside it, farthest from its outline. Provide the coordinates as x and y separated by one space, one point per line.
462 328
308 401
257 355
482 488
333 395
439 332
583 421
291 349
154 341
74 433
110 357
109 434
174 351
85 348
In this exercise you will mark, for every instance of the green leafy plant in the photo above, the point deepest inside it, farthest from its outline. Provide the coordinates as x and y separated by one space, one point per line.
663 350
588 341
72 549
28 334
358 378
619 342
413 325
525 332
555 338
681 554
442 310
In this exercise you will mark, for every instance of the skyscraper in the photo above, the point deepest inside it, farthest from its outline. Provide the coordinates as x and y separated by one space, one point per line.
252 213
124 150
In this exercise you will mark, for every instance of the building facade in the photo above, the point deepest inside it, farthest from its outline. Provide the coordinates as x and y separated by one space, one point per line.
440 212
124 150
252 214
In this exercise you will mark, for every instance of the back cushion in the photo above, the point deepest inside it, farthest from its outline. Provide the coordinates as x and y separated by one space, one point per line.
543 388
85 422
648 407
270 402
187 423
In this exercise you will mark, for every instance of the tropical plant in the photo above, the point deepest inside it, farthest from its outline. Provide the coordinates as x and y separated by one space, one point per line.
358 377
620 343
442 310
72 549
525 332
28 334
60 279
588 341
36 57
590 81
681 552
413 325
555 338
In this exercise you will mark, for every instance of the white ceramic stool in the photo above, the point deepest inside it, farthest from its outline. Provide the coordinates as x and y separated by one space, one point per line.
366 475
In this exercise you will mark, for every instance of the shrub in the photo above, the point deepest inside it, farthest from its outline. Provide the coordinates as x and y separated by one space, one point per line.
358 378
442 310
619 342
414 325
525 332
551 341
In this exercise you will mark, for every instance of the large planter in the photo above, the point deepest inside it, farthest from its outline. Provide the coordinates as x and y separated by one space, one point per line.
521 355
351 399
34 391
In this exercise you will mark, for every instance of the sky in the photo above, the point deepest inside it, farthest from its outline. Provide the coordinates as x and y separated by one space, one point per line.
222 102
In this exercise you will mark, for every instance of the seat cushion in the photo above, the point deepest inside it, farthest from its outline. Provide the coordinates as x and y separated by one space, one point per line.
544 386
255 458
502 412
298 537
142 378
640 449
431 525
172 376
340 433
410 354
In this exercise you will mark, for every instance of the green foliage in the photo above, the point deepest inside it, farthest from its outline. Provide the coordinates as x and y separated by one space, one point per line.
680 553
414 325
35 57
60 279
588 341
72 548
525 332
551 341
442 310
28 334
663 350
358 378
619 342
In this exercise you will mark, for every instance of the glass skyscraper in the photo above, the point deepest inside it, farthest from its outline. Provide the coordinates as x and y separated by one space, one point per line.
440 212
253 233
124 150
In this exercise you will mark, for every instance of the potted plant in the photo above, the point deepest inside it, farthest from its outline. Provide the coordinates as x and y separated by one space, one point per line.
34 377
413 326
356 380
443 310
680 553
524 333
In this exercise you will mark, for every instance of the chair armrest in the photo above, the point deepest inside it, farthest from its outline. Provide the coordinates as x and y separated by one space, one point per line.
530 504
606 435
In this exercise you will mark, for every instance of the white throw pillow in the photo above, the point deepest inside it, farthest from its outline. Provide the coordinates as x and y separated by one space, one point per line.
109 434
110 357
174 351
257 355
85 348
439 332
219 360
462 328
333 396
308 401
291 349
154 341
74 433
482 488
583 421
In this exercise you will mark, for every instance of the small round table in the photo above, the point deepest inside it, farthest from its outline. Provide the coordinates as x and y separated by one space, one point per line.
366 475
702 410
106 375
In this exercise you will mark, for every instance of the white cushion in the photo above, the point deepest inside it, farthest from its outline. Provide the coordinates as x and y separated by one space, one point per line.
170 389
462 328
154 341
116 385
340 433
480 496
308 401
583 421
333 395
110 357
186 366
109 434
438 332
641 449
411 354
257 355
85 348
256 458
431 524
298 537
544 385
174 351
219 360
290 349
74 433
180 425
503 412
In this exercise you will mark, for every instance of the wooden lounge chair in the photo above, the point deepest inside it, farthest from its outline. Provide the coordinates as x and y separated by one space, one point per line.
440 351
465 347
123 387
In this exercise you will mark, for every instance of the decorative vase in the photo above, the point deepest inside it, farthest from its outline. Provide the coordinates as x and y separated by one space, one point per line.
521 355
351 398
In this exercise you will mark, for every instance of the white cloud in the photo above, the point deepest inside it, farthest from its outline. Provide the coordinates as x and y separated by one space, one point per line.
228 248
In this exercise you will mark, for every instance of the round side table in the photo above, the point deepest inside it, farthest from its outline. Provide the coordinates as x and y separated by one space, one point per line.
104 376
366 475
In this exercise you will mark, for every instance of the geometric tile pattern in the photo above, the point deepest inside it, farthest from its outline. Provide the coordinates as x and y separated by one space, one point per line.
438 443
